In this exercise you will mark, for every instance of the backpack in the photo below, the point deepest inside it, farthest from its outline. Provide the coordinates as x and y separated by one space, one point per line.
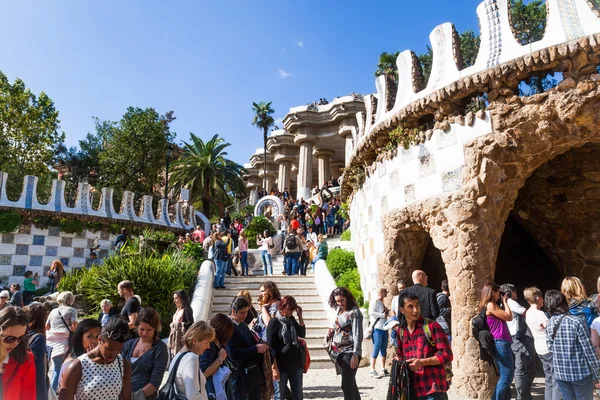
481 332
290 242
168 391
584 310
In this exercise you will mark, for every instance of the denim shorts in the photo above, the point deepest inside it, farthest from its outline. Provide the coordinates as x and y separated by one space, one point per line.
380 341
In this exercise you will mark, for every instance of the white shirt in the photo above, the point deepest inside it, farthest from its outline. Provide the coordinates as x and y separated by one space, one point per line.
190 382
596 325
535 318
395 304
265 243
376 312
516 308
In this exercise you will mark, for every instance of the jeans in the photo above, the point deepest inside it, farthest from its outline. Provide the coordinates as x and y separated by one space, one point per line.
349 386
524 352
551 391
506 366
291 263
276 391
380 338
220 274
244 261
295 379
578 390
58 362
240 392
266 260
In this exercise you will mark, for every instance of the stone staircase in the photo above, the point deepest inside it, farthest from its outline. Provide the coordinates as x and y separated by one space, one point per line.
302 288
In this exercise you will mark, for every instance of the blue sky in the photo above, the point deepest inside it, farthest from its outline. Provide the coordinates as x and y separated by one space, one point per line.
208 61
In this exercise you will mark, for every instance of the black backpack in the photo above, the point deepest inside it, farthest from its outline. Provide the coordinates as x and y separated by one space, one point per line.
290 242
481 332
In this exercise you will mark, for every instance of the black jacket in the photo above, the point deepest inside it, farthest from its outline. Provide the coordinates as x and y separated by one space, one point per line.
241 347
112 313
427 299
289 358
188 317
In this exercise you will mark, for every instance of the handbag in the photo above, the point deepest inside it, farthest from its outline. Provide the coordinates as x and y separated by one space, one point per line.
304 349
168 391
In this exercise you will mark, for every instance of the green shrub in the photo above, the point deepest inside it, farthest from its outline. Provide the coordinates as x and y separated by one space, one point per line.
193 250
70 225
258 225
94 226
9 221
43 221
346 235
344 211
71 280
340 261
351 281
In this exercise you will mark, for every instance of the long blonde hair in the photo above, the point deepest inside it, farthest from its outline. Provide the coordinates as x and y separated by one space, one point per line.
573 289
199 331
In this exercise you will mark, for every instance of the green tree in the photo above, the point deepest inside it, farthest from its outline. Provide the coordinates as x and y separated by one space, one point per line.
387 65
426 60
206 172
29 130
133 150
263 119
469 47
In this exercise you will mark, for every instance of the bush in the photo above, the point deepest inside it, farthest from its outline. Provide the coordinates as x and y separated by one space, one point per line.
155 278
351 281
70 226
258 225
340 261
193 250
346 236
9 221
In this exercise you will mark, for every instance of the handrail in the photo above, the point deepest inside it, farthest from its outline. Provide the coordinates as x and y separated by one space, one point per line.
203 292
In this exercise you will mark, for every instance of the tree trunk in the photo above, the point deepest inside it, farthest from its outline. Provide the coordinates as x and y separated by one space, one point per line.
265 160
206 199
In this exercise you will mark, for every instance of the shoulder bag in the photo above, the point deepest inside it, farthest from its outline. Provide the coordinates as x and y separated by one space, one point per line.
67 325
168 391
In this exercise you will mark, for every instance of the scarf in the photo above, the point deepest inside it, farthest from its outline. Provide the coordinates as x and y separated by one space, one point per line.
288 330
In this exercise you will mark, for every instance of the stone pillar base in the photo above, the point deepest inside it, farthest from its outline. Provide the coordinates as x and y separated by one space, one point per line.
303 192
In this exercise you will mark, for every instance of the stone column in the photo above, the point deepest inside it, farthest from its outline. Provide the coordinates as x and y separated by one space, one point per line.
285 169
269 178
324 160
346 134
305 164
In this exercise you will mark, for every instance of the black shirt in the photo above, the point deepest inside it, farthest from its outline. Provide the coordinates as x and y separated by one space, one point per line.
132 306
289 357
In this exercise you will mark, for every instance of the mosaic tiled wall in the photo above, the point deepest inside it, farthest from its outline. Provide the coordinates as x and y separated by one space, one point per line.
420 172
33 249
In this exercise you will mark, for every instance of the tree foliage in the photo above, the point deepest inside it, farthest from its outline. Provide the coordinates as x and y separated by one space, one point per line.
263 119
469 47
387 65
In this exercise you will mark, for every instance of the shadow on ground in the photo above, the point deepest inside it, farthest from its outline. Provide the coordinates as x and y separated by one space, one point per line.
329 392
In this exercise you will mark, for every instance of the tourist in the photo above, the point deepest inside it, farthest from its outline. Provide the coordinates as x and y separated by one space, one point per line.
107 311
378 314
243 249
188 238
36 337
311 236
522 344
182 320
121 241
84 339
322 250
427 362
292 251
497 319
283 332
268 301
252 314
212 360
60 325
100 373
229 244
445 306
220 255
19 373
147 354
57 271
237 224
578 301
427 297
576 366
318 217
93 260
304 255
207 243
132 305
198 235
245 354
347 336
537 320
401 285
265 241
227 218
29 286
4 297
294 222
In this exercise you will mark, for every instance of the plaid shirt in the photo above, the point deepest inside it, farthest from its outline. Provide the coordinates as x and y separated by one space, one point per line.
573 356
431 378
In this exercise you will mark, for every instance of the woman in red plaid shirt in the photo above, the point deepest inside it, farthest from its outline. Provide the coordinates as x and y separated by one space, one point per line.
426 357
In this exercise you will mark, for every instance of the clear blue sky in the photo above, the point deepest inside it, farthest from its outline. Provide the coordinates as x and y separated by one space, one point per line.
208 61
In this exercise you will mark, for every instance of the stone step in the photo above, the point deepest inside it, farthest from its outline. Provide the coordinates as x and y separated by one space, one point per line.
302 300
283 285
306 308
296 292
259 279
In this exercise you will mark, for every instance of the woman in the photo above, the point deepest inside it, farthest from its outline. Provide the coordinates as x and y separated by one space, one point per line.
18 377
36 336
29 286
322 250
268 300
245 355
304 254
497 319
578 301
266 243
4 297
252 311
283 332
221 258
211 362
100 373
147 354
243 249
57 271
346 335
17 297
189 380
573 357
182 320
318 216
60 325
84 339
330 219
107 311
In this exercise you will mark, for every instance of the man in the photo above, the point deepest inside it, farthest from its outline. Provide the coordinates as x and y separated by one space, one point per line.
445 306
93 260
198 235
425 347
401 285
228 240
378 313
226 219
132 305
121 240
426 296
522 345
292 250
286 194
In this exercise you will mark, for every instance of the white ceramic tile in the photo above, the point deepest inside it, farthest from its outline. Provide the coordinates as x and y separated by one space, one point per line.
65 252
23 238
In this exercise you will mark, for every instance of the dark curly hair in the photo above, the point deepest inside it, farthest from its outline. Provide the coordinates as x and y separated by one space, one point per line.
76 348
342 291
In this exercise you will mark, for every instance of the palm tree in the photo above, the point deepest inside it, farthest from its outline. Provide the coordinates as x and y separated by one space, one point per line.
205 171
387 65
263 120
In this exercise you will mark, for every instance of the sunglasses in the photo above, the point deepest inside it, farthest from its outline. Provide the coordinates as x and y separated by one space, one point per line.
12 339
118 336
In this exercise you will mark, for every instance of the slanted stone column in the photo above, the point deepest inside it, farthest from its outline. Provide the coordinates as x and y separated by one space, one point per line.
305 164
285 170
324 162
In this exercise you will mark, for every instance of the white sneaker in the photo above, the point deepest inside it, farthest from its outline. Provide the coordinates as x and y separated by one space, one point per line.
374 374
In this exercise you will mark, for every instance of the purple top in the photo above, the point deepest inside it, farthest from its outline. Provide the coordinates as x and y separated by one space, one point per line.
498 329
